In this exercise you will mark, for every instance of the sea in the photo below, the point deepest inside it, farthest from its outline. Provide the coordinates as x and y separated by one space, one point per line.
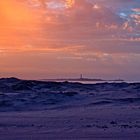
92 82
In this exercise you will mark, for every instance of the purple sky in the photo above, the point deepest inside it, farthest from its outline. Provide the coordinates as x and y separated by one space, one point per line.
98 38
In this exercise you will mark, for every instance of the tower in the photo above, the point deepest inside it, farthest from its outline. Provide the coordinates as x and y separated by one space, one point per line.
81 76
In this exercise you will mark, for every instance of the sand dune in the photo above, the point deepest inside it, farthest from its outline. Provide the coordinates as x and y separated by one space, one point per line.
54 110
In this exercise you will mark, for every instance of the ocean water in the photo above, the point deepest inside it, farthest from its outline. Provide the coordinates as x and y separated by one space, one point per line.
93 82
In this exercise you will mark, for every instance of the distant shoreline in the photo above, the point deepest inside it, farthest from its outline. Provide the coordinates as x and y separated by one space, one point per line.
84 80
73 80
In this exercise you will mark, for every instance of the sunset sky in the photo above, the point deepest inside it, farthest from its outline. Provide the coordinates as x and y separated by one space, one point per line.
63 38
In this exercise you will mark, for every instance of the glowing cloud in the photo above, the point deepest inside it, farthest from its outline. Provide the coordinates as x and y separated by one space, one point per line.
18 23
96 6
15 13
70 3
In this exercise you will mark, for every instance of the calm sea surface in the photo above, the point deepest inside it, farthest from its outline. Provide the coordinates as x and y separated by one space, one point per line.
93 82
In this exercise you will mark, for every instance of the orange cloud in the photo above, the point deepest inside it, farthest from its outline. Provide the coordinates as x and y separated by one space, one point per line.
15 13
70 3
18 23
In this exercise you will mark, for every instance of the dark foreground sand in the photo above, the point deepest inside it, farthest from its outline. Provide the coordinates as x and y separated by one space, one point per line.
107 123
31 110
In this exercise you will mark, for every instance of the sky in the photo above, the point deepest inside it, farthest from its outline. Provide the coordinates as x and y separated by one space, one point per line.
42 39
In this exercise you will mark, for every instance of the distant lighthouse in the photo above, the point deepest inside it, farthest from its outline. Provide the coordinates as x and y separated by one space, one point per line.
81 76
